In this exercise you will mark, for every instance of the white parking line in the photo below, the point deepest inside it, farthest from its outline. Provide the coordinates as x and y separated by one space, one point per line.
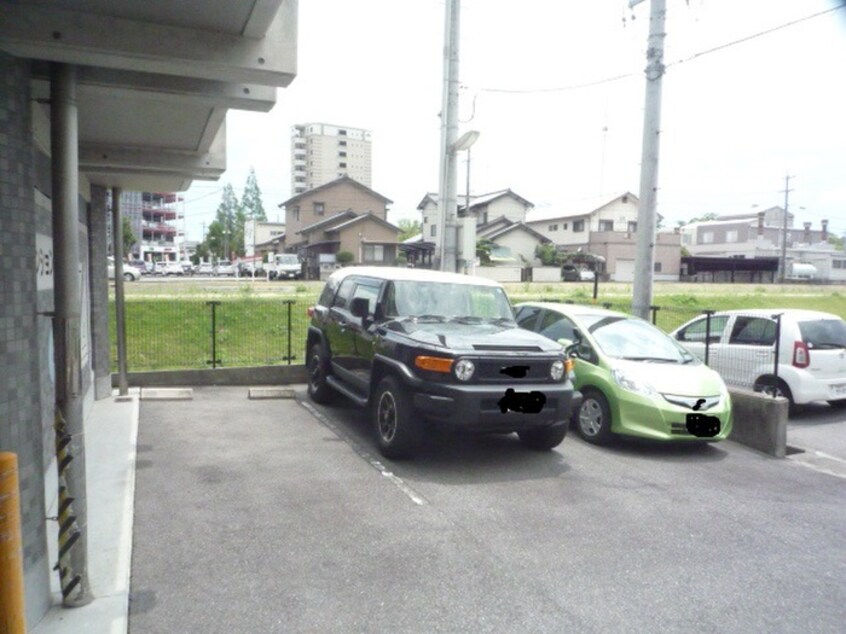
398 482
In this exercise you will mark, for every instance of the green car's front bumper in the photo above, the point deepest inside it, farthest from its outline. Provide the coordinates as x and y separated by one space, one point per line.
635 414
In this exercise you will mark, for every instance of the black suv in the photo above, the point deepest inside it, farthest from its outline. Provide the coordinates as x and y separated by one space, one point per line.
417 345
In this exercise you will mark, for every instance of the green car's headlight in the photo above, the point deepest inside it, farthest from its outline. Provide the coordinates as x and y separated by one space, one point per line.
626 381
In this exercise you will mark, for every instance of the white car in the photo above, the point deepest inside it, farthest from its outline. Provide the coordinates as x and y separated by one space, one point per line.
169 268
225 267
130 273
205 268
741 347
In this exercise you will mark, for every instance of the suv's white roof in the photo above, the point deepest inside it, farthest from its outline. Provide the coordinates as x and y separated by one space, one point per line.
416 275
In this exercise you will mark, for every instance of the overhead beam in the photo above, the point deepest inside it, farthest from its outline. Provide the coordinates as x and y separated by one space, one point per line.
167 88
87 39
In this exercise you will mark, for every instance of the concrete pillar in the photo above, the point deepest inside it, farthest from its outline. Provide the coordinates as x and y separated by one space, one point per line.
98 218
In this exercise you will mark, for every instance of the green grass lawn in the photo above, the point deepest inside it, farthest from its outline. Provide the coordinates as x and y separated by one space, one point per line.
168 324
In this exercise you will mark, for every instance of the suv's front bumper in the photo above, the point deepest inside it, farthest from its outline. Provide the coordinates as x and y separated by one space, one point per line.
480 407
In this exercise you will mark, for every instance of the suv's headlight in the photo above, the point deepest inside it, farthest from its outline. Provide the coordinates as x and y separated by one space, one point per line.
464 369
628 382
556 370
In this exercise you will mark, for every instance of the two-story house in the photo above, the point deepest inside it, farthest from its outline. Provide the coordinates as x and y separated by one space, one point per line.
484 208
608 229
342 215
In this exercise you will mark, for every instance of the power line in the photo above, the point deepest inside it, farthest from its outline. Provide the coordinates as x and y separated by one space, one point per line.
608 80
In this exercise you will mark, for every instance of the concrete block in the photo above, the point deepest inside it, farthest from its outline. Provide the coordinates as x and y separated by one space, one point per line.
759 421
270 392
167 394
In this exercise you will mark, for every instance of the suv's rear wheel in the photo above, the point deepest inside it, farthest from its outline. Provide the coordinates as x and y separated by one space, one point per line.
398 429
543 439
318 388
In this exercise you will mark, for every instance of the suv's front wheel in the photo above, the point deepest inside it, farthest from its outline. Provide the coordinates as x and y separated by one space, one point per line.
398 430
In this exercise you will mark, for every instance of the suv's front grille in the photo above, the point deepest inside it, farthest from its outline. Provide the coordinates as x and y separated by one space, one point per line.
512 370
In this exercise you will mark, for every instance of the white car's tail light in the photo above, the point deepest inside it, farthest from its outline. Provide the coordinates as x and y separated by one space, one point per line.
801 355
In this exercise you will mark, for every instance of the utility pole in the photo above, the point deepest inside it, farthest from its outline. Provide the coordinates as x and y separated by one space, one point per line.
787 191
645 253
447 199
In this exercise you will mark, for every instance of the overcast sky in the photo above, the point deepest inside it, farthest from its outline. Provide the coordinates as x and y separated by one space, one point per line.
556 89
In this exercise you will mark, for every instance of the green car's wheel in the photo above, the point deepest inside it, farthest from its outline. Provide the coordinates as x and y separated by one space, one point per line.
593 418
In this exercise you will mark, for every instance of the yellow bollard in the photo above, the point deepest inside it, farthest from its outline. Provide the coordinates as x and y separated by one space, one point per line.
12 616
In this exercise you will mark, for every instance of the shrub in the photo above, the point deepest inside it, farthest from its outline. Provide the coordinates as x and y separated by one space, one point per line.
344 257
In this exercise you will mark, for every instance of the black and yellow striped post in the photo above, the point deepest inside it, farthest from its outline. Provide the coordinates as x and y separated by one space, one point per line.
73 582
12 613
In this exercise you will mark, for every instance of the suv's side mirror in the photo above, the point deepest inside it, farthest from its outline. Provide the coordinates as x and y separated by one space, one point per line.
360 307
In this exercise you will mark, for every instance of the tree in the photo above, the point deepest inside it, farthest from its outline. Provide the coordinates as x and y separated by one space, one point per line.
344 257
226 233
129 239
408 228
251 203
547 254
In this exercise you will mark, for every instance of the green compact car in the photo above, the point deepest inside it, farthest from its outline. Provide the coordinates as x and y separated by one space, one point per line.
635 379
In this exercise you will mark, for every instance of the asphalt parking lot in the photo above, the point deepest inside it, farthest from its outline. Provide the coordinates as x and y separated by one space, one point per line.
279 516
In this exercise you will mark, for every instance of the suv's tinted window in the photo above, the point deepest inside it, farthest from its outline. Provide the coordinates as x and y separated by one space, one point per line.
753 331
342 297
824 333
370 291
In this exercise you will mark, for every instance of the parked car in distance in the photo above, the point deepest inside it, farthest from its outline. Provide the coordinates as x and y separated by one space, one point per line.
572 273
205 268
285 266
225 267
187 267
634 379
741 347
169 267
130 273
419 346
141 265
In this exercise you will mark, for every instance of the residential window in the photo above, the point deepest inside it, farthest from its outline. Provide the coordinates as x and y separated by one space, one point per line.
707 237
839 264
578 226
342 154
606 225
552 228
342 133
656 267
342 164
631 226
564 227
374 253
433 230
296 212
342 143
731 236
319 208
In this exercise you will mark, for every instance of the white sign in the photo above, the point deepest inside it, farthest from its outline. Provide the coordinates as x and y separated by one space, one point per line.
44 262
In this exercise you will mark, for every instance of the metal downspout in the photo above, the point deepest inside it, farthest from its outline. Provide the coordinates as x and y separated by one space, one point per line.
70 439
120 325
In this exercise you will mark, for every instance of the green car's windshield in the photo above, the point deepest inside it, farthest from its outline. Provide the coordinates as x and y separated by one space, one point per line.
464 302
635 340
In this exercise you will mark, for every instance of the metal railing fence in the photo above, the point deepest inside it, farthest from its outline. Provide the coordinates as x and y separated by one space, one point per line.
179 334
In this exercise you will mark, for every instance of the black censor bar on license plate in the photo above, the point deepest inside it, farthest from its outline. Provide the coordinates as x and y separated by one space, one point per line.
526 402
702 425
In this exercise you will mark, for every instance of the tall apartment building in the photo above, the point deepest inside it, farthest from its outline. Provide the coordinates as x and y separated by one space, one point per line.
322 152
153 217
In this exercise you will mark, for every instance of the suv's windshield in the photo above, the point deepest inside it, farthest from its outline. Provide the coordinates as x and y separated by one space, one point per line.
406 298
287 259
824 333
636 340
